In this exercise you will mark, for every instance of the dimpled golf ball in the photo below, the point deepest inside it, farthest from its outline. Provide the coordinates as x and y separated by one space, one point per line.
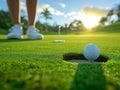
91 52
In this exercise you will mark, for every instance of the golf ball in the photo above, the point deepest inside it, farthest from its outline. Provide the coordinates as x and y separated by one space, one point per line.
91 52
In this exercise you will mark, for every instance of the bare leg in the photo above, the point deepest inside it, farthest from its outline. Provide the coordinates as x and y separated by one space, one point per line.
31 31
31 8
14 7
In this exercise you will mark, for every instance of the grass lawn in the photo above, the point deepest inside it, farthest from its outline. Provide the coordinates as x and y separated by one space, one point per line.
38 65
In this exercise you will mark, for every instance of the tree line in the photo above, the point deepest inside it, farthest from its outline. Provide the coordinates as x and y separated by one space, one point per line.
6 23
75 25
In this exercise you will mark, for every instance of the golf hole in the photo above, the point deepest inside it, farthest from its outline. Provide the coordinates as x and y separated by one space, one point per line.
76 57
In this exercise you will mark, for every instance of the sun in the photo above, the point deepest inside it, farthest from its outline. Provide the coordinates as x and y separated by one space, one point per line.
90 21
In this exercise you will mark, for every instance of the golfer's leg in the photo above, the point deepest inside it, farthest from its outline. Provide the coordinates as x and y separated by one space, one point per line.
14 8
31 31
31 8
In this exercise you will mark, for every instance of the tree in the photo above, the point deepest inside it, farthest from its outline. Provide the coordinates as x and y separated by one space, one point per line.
115 11
24 20
75 25
108 18
103 20
5 21
110 13
47 15
118 11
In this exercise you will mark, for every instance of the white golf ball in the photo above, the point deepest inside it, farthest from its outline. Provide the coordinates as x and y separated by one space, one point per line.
91 52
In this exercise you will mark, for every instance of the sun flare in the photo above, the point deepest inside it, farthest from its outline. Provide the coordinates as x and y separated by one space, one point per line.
90 21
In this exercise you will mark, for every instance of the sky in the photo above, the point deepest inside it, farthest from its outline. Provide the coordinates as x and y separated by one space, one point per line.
65 11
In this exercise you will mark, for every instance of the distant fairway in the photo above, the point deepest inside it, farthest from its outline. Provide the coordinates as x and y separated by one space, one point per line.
38 65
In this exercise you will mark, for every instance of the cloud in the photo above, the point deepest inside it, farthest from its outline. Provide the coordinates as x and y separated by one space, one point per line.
62 5
42 7
113 18
57 13
90 16
73 15
95 11
51 9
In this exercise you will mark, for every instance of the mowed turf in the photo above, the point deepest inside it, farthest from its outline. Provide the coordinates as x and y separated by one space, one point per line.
38 65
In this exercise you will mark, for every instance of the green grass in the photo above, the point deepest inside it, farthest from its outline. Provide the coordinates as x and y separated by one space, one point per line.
38 65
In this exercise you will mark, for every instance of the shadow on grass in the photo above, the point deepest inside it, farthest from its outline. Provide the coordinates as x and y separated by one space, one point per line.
89 77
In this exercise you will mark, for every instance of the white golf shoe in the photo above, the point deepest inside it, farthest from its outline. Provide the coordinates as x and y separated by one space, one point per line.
33 33
15 32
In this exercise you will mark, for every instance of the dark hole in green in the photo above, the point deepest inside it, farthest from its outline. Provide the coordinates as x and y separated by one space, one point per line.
77 56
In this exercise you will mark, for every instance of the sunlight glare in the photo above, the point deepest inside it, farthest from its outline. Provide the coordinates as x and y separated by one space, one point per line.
90 21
